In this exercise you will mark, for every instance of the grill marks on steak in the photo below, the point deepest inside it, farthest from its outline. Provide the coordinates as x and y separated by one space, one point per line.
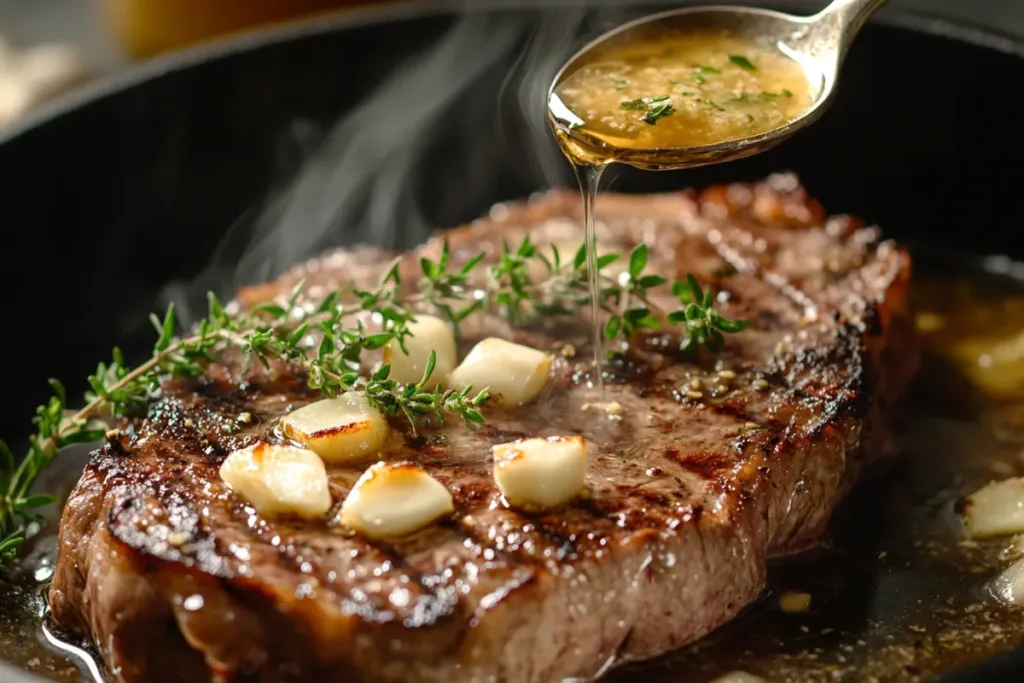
688 498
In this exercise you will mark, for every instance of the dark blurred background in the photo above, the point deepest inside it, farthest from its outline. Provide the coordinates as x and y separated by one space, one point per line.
47 46
112 31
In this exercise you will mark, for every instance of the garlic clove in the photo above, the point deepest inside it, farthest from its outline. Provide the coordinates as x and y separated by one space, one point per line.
1009 584
739 677
794 602
279 480
996 509
391 500
428 334
512 373
541 473
341 429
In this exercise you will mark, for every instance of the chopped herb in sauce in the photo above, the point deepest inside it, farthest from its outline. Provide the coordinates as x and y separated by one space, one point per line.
701 71
641 102
702 95
654 107
655 113
748 98
742 62
685 93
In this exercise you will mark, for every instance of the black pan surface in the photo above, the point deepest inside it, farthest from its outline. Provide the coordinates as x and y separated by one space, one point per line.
130 184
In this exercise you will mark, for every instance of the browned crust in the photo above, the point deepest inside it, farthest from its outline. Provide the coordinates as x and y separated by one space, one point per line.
683 540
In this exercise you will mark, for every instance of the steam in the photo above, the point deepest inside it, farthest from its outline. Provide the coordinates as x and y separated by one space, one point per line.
530 78
451 130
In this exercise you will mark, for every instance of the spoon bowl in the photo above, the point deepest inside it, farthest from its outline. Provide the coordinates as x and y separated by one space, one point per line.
817 43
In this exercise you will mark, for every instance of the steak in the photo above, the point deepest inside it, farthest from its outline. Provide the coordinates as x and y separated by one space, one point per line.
711 465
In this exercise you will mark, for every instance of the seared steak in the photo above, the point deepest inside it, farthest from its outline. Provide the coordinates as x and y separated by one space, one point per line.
712 465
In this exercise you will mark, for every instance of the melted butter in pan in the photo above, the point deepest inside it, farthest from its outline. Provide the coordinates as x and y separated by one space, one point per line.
896 592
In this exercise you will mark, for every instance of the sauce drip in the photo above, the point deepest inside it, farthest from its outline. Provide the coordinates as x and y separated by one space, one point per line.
657 102
589 177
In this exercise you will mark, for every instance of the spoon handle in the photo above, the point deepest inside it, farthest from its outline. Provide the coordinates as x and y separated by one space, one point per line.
847 17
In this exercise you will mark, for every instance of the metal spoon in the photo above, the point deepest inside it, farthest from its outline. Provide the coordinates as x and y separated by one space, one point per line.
819 43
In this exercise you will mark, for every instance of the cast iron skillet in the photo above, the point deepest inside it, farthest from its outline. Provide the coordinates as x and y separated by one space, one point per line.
132 182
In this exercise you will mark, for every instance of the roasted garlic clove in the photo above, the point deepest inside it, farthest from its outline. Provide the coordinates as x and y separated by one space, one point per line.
394 499
342 429
540 473
428 334
279 480
996 509
512 373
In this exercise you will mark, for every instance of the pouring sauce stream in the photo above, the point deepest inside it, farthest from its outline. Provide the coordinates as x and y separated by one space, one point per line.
656 101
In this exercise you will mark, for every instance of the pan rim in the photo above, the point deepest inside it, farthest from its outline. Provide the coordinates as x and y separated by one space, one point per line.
135 75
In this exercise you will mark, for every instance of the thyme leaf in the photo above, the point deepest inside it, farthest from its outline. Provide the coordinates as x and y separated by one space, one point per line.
742 62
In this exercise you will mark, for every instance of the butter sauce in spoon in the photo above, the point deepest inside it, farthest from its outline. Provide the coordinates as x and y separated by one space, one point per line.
692 87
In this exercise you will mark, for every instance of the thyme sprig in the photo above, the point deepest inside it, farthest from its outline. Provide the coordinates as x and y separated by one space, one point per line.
269 332
626 299
635 306
447 292
702 324
287 332
414 401
18 506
